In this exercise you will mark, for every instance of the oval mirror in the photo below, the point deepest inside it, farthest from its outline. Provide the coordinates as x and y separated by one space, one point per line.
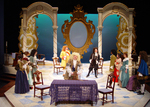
78 34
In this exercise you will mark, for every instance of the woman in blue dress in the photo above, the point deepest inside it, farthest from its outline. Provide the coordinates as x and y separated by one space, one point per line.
21 83
124 72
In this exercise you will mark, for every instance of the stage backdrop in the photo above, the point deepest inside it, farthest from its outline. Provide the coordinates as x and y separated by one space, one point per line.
45 35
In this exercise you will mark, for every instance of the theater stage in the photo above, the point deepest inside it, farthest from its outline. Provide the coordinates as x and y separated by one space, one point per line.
123 97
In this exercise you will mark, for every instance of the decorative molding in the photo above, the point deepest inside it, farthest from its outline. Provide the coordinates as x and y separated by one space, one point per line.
31 35
78 15
123 35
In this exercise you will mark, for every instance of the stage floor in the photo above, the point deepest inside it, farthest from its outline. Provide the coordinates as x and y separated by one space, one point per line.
123 97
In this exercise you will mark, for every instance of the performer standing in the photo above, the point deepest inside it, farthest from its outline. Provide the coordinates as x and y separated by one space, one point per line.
142 71
33 61
112 60
21 83
73 68
124 74
118 64
94 60
25 60
64 55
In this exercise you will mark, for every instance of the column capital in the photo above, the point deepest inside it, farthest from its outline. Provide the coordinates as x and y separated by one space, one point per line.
131 28
100 10
131 10
55 9
24 28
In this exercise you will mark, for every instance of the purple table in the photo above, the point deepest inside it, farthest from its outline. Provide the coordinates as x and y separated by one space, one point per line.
73 90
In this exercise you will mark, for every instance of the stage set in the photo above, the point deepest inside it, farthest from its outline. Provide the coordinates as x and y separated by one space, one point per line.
45 30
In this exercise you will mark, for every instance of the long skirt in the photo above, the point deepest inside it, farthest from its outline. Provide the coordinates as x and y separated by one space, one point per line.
21 84
133 84
116 74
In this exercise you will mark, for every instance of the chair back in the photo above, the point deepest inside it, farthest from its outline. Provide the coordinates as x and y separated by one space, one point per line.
101 63
40 56
37 78
56 61
110 83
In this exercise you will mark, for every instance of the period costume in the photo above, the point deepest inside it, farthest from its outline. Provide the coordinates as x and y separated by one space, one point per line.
33 63
21 83
64 57
112 63
25 60
124 77
94 60
142 75
73 68
118 64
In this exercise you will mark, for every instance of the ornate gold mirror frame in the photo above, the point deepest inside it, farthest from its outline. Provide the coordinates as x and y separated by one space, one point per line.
78 16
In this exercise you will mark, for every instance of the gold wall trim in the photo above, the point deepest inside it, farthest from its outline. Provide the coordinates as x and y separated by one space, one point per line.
78 15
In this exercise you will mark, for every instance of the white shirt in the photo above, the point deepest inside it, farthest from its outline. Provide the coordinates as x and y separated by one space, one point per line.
74 63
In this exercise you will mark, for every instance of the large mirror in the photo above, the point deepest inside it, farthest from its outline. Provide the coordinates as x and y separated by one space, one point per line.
78 33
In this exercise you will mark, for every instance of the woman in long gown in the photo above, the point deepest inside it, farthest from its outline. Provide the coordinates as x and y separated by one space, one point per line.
118 64
64 55
124 72
21 83
33 62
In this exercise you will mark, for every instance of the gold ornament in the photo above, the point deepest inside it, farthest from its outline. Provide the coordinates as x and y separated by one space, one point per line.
78 15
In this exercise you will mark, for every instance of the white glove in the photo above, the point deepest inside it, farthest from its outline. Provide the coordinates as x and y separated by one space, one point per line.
24 66
64 57
127 67
90 60
111 67
140 74
96 62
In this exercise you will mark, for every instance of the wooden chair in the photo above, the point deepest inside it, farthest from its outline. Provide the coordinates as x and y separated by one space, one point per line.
41 58
56 65
38 84
110 85
100 66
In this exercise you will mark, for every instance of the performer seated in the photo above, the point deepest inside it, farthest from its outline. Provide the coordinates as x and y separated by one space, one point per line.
73 68
94 59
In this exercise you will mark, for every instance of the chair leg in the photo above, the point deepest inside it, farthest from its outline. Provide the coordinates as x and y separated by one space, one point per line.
112 97
103 100
42 95
106 96
34 91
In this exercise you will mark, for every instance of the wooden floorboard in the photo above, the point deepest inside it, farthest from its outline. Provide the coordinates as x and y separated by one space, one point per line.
11 82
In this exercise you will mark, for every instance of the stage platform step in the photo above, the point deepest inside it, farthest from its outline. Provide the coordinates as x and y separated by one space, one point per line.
8 81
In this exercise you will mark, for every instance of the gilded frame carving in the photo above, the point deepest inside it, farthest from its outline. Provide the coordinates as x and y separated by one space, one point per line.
78 15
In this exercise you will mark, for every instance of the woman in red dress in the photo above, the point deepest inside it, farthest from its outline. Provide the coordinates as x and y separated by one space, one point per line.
118 64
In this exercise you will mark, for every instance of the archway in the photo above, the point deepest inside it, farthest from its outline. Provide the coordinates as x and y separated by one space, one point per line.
126 13
35 9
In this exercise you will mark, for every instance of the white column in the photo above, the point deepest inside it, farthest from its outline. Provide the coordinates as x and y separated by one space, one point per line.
55 9
100 27
100 41
24 29
24 41
55 41
130 40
